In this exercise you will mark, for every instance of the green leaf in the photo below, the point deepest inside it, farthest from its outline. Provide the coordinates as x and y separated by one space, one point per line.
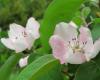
88 71
44 68
96 20
36 54
85 12
72 68
7 68
14 75
97 60
77 19
33 56
66 77
96 31
58 10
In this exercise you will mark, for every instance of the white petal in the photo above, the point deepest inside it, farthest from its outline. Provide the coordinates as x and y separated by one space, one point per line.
15 30
76 58
8 43
60 48
19 45
23 62
30 40
96 49
33 27
85 40
88 55
17 35
73 24
66 31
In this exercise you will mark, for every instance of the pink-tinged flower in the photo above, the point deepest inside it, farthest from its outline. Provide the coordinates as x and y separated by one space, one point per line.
70 47
21 38
23 61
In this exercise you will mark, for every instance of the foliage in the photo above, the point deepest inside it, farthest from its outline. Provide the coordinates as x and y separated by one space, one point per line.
41 64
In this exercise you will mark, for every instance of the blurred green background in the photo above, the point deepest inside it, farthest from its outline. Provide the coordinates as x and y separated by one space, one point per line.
20 10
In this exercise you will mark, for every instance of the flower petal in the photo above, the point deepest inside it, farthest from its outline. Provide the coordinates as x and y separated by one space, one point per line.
17 35
96 49
59 48
66 31
30 40
73 24
33 27
24 38
8 43
76 58
15 31
23 61
85 39
19 45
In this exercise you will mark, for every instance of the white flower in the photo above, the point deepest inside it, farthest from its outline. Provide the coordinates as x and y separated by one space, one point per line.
23 61
21 38
70 47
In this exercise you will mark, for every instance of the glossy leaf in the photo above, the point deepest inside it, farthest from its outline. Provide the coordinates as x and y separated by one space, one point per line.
7 68
88 71
58 10
44 68
96 31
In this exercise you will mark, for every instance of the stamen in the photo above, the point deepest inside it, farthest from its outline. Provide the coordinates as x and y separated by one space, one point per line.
84 44
69 42
75 45
24 34
16 37
75 41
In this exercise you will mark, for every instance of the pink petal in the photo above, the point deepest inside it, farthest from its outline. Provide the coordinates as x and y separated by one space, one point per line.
59 48
33 27
66 31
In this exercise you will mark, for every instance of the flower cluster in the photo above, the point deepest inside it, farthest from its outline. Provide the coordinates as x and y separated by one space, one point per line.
68 44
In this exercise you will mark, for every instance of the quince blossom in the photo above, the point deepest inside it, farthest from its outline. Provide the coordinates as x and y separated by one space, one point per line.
71 46
21 38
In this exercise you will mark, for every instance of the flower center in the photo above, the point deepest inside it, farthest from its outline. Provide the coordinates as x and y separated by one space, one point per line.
75 45
77 49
